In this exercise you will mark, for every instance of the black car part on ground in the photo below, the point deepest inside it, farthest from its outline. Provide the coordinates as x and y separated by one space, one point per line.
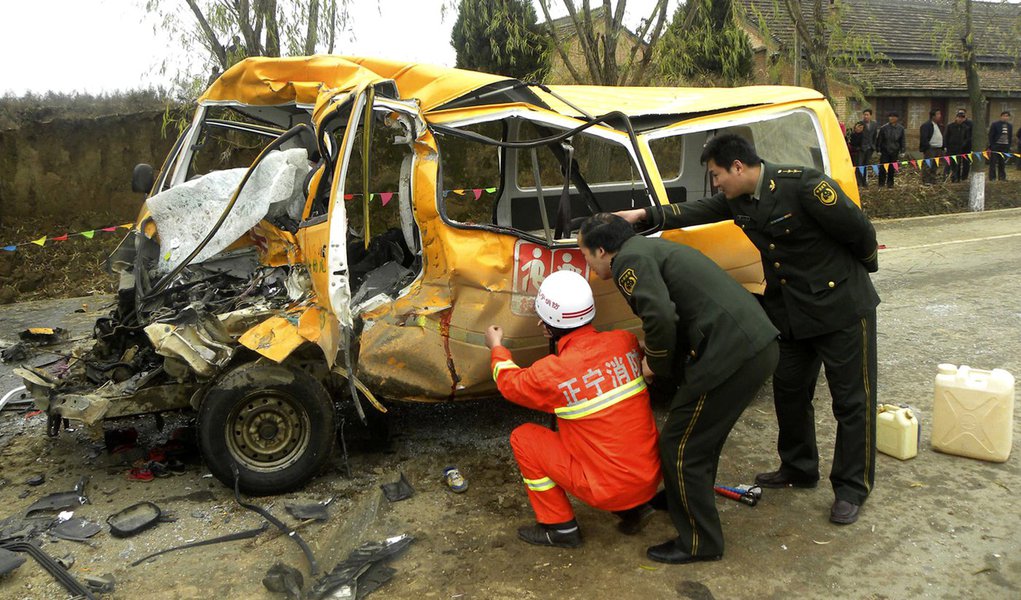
72 585
230 537
313 565
60 500
362 572
134 519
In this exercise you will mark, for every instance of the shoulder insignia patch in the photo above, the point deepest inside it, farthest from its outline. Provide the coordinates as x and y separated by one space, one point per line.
825 193
627 281
789 172
772 185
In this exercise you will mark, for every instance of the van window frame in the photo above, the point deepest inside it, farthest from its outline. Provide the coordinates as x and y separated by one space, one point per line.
679 129
509 165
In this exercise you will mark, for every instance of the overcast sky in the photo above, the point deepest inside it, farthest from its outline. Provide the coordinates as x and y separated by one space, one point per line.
100 46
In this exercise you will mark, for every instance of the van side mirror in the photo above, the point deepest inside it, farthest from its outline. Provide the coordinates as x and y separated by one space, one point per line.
142 178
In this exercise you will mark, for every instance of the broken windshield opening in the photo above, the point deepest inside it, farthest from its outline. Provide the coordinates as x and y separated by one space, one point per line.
485 185
792 139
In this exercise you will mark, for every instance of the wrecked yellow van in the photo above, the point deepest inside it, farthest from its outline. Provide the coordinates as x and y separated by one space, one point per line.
334 231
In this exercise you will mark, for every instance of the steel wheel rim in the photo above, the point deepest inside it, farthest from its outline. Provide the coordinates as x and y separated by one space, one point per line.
268 431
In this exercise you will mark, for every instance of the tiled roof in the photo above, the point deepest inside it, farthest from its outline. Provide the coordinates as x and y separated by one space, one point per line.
902 28
930 77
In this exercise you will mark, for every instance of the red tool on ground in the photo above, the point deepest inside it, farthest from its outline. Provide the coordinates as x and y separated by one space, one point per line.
749 496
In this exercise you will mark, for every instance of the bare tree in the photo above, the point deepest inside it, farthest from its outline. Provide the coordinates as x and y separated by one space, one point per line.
232 30
599 36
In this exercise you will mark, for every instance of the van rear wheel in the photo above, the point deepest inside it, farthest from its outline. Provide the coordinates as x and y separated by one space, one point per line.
276 423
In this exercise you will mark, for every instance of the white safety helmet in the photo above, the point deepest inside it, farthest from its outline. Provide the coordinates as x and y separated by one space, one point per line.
565 300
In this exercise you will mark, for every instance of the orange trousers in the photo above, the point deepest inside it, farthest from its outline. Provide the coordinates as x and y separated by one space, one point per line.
551 472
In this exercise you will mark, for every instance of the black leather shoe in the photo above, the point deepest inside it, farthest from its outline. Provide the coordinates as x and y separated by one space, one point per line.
843 512
782 479
634 519
547 535
670 553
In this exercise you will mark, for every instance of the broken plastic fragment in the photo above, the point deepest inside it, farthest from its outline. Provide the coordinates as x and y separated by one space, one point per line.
398 490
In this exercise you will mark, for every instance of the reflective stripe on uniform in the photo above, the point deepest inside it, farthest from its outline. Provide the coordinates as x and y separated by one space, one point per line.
588 407
539 485
503 365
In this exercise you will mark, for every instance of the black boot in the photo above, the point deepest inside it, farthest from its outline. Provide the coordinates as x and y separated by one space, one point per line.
672 554
561 535
634 519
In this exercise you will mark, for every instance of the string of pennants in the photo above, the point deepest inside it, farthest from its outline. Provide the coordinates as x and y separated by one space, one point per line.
934 161
386 197
91 233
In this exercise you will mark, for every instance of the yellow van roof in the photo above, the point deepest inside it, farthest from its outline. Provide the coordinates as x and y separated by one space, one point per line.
642 101
279 81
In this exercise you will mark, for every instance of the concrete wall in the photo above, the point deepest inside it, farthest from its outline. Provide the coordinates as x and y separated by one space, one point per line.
78 165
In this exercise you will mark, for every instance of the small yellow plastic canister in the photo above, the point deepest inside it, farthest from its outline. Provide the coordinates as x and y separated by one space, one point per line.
897 431
973 412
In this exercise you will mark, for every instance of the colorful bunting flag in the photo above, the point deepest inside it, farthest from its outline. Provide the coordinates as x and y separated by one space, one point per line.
914 163
490 190
477 192
59 238
875 170
896 167
40 242
89 234
386 196
127 225
109 229
10 248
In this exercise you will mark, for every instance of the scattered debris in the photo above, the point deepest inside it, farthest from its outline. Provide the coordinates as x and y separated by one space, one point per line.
398 490
7 397
284 579
102 584
313 565
60 500
231 537
14 353
35 480
316 510
9 561
75 529
51 566
363 572
821 543
134 519
42 336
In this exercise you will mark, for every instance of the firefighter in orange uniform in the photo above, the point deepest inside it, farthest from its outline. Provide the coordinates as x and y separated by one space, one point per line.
604 452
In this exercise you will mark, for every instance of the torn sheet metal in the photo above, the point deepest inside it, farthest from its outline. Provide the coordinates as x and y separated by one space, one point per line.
184 213
275 338
197 344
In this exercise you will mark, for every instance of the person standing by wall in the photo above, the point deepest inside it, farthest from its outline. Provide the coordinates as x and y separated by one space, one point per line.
870 128
958 144
1000 134
891 144
930 144
704 332
817 250
855 140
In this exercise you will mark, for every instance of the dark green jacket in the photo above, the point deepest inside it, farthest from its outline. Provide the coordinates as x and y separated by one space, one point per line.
700 325
817 247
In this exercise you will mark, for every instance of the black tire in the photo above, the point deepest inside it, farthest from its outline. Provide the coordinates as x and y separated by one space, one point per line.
275 422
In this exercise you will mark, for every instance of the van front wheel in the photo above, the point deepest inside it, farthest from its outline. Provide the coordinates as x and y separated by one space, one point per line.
276 423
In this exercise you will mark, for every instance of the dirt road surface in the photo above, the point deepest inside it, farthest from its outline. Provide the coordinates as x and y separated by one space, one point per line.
936 526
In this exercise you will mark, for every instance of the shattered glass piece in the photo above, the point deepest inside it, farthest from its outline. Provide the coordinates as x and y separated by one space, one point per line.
184 213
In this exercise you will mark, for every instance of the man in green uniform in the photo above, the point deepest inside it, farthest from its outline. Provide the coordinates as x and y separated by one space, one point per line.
707 335
817 250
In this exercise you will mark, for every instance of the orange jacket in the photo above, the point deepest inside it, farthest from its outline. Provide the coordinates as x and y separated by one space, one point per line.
594 385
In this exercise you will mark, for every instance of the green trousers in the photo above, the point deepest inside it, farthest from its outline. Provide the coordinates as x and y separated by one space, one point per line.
690 444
